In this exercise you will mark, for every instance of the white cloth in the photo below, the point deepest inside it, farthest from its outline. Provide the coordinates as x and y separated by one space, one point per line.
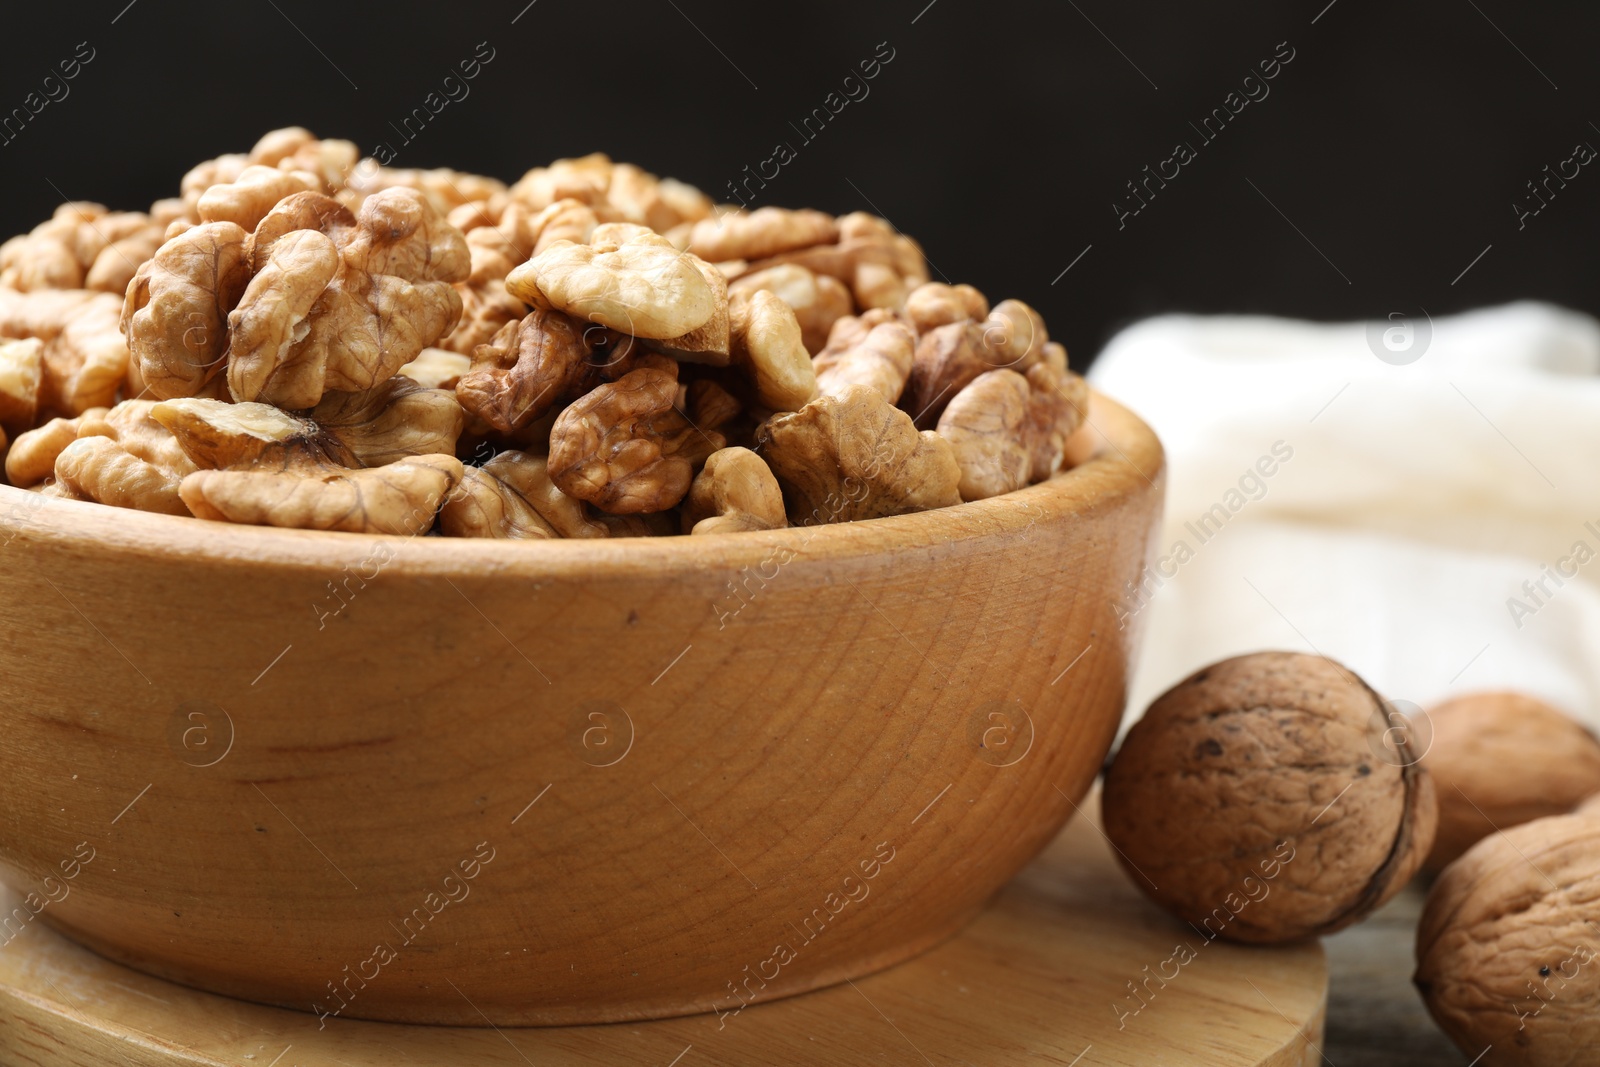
1416 503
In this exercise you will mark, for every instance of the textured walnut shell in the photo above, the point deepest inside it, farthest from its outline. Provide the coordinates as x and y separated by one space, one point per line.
1251 800
1501 759
1509 944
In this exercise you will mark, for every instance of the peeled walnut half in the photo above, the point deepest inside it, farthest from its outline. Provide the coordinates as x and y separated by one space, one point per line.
1015 335
246 200
625 448
621 190
1058 406
856 456
484 506
880 359
734 492
947 359
938 304
372 302
366 463
21 376
401 498
31 459
954 347
117 456
818 300
643 286
175 315
877 264
125 459
528 476
84 361
767 345
528 368
1251 802
1509 943
986 424
437 368
763 232
81 246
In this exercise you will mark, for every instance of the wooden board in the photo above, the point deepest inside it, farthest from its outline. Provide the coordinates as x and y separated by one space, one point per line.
1040 978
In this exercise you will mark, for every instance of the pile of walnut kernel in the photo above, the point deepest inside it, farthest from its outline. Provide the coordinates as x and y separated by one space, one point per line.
307 339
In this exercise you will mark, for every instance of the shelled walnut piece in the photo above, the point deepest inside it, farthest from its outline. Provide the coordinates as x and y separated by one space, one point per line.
734 492
83 246
856 456
316 299
121 457
83 359
591 334
372 463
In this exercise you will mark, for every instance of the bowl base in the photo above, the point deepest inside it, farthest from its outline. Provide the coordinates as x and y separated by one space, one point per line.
1068 956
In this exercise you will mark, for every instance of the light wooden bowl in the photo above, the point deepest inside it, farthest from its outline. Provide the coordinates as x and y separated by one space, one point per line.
466 781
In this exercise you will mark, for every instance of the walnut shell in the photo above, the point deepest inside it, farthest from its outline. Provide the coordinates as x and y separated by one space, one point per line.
1508 942
1251 800
1502 759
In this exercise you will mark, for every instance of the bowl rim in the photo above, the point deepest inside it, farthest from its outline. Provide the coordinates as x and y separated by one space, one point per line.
1127 457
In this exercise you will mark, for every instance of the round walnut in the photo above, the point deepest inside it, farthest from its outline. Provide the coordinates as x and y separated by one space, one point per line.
1502 759
1253 800
1508 948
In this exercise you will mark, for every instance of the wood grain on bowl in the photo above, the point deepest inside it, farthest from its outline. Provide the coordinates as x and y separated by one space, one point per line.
454 782
1027 983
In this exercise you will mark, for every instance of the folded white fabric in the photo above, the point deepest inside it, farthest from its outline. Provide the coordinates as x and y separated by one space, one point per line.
1433 525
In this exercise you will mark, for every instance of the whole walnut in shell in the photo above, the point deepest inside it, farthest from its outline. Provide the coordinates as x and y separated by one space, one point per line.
1251 801
1508 947
1502 759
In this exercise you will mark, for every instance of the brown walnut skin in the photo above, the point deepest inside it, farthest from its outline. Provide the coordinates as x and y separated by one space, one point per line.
1502 759
1508 947
1250 800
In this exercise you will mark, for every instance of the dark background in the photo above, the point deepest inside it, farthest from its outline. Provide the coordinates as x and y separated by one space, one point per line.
1385 159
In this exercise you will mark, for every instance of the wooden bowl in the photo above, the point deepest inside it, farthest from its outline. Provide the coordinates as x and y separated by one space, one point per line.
466 782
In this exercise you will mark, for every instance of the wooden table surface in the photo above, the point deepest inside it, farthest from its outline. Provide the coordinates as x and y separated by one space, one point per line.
1375 1017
